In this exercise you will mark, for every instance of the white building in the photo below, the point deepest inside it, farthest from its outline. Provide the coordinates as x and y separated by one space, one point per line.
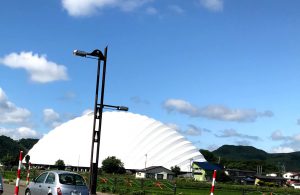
155 172
134 139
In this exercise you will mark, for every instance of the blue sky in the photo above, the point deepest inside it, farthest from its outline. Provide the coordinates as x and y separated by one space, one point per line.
219 71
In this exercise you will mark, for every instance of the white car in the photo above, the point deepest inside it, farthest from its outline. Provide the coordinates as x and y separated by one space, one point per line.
296 185
1 185
57 183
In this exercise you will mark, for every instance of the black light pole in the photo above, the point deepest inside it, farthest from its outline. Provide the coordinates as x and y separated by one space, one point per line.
98 110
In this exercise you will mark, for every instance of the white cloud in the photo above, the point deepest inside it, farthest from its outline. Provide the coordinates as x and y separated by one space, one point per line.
51 117
234 133
180 106
216 112
90 7
151 11
177 9
213 5
282 150
39 68
193 131
10 113
243 143
289 143
19 133
277 135
174 126
212 147
296 137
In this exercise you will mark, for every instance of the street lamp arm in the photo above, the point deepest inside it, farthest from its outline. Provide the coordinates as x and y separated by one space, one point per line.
80 53
122 108
96 53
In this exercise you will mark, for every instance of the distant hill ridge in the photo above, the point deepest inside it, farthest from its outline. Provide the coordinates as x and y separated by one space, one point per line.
291 161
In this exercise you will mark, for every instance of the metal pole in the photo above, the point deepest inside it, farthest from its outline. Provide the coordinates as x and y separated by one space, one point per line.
98 110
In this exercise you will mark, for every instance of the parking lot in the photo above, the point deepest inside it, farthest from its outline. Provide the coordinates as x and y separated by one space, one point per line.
10 189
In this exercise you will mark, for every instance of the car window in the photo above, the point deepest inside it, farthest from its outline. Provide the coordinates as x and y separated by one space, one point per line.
71 179
41 178
50 179
79 180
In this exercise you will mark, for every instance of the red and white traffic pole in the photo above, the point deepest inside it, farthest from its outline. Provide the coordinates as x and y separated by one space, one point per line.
213 183
28 174
18 174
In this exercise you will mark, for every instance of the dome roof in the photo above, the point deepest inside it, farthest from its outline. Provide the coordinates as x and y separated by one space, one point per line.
134 139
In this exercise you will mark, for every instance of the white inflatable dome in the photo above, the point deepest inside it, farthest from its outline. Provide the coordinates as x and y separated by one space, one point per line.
134 139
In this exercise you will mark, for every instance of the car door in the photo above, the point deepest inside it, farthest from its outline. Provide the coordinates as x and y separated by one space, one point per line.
37 184
48 187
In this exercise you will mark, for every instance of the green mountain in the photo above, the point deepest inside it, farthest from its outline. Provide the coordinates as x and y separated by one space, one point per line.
9 149
243 154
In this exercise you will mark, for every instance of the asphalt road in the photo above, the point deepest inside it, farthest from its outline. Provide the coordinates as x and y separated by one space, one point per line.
10 189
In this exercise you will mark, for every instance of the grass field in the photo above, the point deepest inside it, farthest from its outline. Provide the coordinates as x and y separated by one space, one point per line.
127 184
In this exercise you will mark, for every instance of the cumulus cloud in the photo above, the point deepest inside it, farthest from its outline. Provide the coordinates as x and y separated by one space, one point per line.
216 112
195 131
10 113
243 142
19 133
212 147
288 143
90 7
277 135
174 126
213 5
51 117
233 133
283 150
39 68
192 130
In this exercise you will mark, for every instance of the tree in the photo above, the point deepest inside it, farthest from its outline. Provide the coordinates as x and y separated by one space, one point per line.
176 170
209 156
60 164
9 161
113 165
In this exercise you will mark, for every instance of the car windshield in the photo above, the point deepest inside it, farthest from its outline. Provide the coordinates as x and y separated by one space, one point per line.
71 179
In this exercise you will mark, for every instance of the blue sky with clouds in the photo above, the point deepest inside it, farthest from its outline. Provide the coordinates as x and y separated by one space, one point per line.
219 71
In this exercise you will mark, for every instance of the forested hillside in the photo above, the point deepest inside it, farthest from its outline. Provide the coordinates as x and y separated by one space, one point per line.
250 157
9 149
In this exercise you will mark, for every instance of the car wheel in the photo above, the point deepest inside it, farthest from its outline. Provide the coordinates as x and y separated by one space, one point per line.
27 192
